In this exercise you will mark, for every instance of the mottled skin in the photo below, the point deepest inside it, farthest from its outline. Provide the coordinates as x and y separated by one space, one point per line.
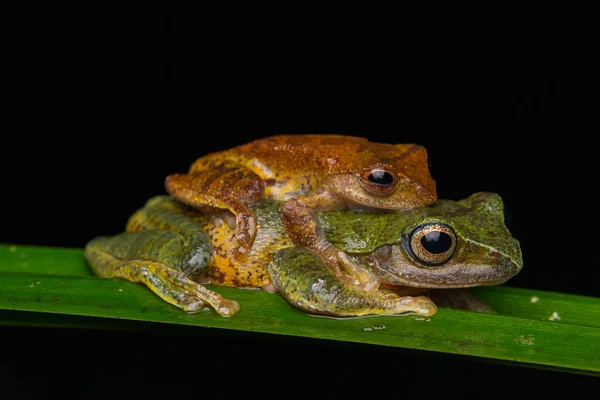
308 173
170 247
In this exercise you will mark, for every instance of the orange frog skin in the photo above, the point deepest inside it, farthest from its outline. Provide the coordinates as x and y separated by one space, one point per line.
308 173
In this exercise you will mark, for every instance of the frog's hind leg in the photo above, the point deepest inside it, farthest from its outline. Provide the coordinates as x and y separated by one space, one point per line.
155 259
304 280
226 187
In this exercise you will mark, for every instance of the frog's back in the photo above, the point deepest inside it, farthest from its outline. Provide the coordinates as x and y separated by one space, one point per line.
318 154
292 165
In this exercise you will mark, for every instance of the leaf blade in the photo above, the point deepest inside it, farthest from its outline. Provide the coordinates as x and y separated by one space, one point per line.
60 283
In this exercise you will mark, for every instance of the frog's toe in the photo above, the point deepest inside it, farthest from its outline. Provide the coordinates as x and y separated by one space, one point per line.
420 305
227 308
172 288
245 229
187 287
359 276
269 287
189 295
191 304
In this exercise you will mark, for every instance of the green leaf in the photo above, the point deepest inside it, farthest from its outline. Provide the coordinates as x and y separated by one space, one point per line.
54 287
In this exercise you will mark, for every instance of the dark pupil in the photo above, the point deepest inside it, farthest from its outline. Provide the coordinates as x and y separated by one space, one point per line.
381 177
436 242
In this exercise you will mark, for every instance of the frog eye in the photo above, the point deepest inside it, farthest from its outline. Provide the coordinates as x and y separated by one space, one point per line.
432 243
379 180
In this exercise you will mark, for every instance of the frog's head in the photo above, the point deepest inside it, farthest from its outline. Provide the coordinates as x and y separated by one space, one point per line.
450 244
390 177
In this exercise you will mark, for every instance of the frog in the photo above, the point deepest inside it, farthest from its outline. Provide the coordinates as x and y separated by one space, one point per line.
176 251
308 173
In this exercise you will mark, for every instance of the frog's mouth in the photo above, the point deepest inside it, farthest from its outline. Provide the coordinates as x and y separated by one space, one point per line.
414 284
393 268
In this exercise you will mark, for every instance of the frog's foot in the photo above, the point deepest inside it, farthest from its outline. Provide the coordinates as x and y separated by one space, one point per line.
304 280
231 188
170 285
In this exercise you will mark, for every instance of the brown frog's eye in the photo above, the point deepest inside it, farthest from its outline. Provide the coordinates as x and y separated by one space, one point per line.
432 243
379 180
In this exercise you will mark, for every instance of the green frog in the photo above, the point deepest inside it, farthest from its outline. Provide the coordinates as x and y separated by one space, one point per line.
175 250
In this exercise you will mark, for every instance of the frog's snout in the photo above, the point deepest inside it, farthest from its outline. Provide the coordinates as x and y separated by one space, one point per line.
510 260
502 270
511 266
498 269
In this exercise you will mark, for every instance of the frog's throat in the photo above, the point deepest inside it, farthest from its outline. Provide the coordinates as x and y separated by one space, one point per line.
400 281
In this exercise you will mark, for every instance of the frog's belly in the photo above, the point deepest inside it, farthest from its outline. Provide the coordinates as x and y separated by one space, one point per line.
230 267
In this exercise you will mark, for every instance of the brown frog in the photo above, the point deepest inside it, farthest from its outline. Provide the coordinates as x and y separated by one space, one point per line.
308 173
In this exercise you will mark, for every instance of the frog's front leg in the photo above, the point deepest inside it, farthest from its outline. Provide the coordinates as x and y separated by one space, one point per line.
304 280
226 187
304 231
160 260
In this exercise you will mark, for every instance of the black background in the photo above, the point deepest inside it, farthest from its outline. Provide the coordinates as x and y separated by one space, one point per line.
110 101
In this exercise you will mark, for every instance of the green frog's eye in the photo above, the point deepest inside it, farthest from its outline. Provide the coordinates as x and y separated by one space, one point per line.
379 180
432 243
